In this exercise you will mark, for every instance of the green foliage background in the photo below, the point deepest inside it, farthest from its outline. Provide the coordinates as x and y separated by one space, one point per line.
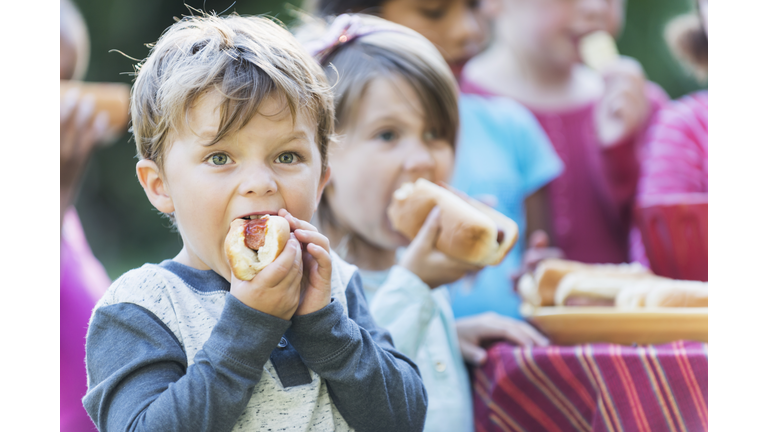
123 228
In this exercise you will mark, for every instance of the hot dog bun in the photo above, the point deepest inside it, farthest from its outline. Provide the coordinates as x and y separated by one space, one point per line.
589 288
540 289
468 231
678 293
246 262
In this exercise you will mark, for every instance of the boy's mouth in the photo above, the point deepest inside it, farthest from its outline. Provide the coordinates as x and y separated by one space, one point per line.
257 215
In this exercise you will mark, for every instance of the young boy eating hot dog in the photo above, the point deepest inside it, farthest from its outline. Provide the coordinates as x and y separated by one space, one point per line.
232 120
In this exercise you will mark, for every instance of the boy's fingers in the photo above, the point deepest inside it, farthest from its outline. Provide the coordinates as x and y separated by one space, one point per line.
295 222
313 237
277 270
323 259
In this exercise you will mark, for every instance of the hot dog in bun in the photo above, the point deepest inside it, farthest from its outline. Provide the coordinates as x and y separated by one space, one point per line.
470 231
253 243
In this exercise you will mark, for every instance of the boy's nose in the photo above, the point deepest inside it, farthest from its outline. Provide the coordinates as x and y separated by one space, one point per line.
258 181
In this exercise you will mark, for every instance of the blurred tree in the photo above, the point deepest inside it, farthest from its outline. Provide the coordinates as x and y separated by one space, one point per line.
123 228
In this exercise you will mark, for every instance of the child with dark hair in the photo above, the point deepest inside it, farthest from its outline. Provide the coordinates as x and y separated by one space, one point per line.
596 120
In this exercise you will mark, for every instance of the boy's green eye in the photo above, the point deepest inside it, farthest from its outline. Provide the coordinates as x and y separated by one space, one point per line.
286 158
219 159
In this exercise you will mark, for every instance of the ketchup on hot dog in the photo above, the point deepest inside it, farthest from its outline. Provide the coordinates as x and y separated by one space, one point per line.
255 233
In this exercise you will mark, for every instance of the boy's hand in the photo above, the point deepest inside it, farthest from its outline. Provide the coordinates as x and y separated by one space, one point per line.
624 107
316 253
430 265
478 330
277 288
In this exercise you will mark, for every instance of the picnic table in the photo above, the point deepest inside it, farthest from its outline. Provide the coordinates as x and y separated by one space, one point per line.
592 387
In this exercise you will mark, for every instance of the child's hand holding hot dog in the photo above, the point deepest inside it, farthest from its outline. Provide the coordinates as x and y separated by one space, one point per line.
276 289
316 257
624 107
430 265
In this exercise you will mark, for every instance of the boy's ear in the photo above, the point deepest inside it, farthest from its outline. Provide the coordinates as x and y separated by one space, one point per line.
323 182
154 186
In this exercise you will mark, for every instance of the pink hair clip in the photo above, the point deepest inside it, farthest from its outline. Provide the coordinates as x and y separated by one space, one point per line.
345 28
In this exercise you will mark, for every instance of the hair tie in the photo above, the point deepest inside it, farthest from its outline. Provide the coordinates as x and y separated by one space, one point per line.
344 29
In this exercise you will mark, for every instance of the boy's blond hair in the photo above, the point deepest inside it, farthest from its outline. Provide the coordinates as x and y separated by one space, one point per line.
245 60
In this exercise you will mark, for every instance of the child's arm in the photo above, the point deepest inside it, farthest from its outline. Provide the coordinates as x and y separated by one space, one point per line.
404 304
139 377
374 387
621 120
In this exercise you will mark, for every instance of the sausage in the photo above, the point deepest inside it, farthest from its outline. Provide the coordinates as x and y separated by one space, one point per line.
255 233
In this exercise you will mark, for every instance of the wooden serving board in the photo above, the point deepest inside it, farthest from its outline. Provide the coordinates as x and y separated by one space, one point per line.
569 325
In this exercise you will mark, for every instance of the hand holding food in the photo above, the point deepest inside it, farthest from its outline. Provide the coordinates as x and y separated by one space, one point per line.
274 286
433 267
469 231
316 256
254 243
624 107
110 98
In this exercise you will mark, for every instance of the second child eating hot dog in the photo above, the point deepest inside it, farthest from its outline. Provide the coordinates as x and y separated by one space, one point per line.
397 112
232 120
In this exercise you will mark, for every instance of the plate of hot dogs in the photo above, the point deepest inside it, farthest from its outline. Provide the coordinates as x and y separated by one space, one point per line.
573 303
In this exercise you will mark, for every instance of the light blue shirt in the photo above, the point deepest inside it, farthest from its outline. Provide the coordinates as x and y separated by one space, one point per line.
421 323
502 152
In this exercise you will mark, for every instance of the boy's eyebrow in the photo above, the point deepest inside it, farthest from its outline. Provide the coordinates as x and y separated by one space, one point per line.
208 138
297 135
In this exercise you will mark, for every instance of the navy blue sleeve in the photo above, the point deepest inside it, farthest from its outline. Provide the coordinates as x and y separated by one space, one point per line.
374 387
139 379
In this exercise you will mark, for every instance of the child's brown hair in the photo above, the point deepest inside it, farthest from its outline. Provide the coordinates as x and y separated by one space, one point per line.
370 48
244 59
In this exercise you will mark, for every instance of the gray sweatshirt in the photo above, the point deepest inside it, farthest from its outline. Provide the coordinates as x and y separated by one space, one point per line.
170 349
